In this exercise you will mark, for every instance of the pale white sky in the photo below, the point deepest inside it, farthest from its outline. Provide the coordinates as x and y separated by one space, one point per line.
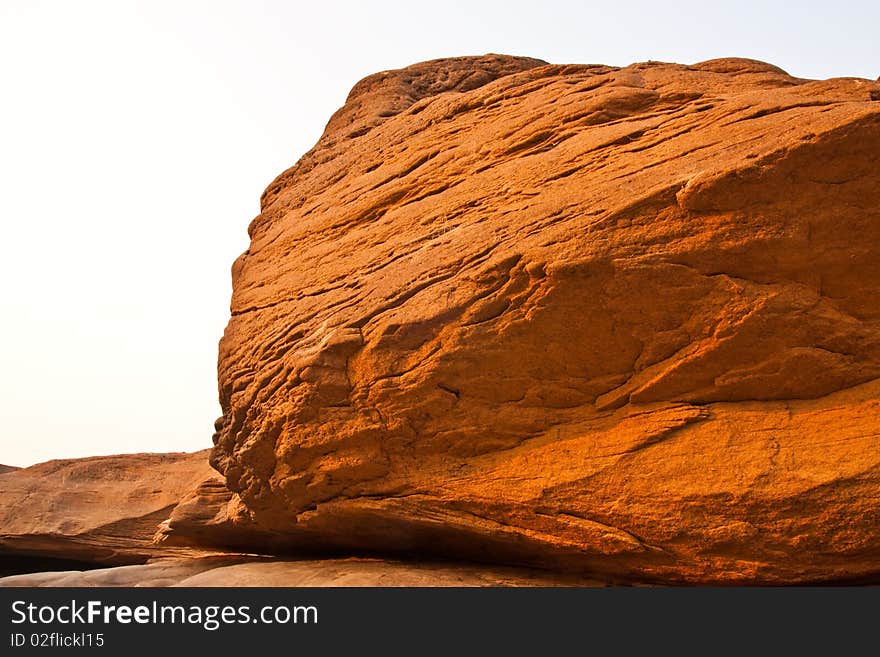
136 138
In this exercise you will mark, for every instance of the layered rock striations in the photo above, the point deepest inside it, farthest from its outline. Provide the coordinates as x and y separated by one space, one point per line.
622 321
92 522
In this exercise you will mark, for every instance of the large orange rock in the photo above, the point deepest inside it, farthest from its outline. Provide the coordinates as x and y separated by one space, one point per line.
618 320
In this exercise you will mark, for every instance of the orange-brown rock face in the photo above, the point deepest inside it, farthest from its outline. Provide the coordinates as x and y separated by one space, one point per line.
621 321
102 509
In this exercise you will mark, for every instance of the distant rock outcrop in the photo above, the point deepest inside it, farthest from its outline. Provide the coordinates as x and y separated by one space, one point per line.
617 320
98 510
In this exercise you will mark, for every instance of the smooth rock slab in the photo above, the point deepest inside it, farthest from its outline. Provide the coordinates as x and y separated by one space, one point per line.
224 571
103 509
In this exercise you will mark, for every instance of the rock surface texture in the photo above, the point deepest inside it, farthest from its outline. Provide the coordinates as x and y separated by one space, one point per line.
620 321
103 509
241 571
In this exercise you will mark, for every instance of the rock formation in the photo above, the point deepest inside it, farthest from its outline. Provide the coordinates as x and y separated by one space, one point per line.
243 571
618 323
99 510
621 321
100 514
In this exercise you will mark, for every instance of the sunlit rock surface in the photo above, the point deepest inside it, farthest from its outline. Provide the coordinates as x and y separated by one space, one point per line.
621 321
619 324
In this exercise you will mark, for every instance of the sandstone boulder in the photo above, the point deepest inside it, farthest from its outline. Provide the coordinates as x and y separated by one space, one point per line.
622 321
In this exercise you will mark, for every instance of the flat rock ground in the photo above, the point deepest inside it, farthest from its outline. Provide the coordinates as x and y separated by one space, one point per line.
231 570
